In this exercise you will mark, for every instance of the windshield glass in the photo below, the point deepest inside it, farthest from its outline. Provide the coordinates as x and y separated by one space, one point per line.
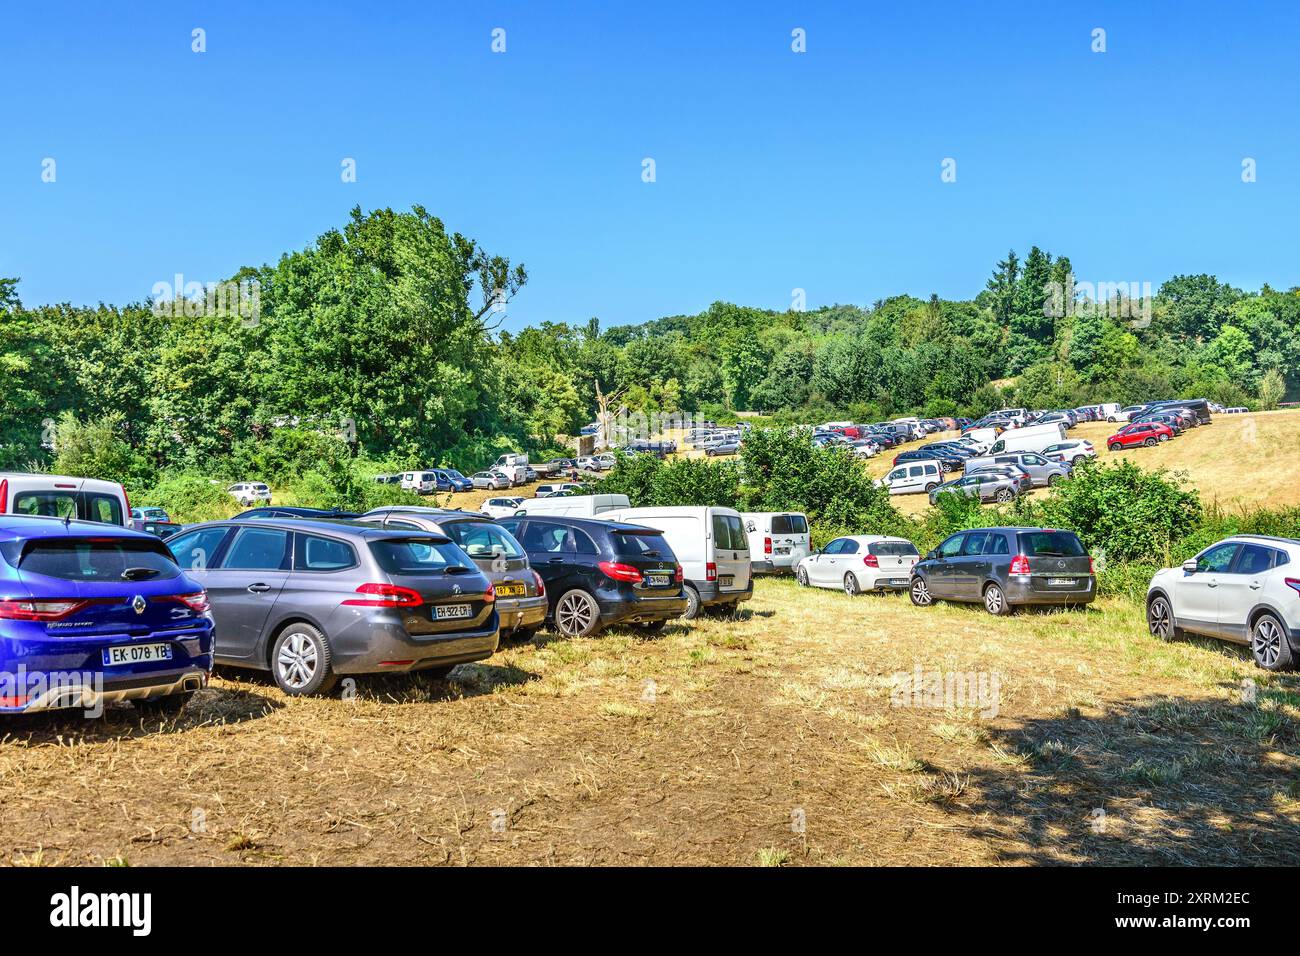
92 559
416 556
481 539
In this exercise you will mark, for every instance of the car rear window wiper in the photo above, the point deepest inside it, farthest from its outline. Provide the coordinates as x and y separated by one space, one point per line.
139 574
459 569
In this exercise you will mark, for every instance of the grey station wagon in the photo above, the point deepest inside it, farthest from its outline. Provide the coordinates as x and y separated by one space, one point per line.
1005 568
309 600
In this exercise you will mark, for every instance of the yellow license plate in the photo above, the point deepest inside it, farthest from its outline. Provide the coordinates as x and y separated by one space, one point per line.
510 590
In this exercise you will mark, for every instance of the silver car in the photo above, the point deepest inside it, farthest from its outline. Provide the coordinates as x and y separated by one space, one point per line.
1015 472
1042 471
310 600
986 487
490 480
521 596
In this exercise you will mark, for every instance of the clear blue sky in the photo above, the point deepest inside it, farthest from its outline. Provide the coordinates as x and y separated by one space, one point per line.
775 170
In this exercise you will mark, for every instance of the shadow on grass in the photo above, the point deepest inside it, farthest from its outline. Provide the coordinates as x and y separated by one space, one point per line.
1157 781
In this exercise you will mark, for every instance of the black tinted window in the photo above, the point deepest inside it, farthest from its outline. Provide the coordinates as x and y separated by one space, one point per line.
1051 544
1254 559
789 524
642 545
55 504
312 552
259 549
892 549
417 556
93 559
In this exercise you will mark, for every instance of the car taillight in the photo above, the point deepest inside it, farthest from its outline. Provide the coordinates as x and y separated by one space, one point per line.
4 495
1020 564
385 595
679 575
195 602
767 545
127 499
710 571
541 585
1293 584
21 609
871 561
1092 565
621 572
490 595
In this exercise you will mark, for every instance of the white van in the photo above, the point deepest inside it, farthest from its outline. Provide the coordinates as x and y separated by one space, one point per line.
912 477
421 482
574 506
710 545
61 496
1030 438
515 466
778 540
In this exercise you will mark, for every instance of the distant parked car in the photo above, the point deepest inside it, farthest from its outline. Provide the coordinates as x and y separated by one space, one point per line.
249 493
723 448
491 480
312 600
1013 471
500 507
912 478
280 511
388 479
986 487
454 480
1144 433
857 563
778 540
1074 451
600 573
150 514
1006 567
1244 589
63 496
159 529
1042 471
1236 410
566 488
556 466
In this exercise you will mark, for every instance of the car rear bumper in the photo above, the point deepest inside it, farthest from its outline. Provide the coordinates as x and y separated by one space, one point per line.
91 692
380 643
710 593
1035 590
517 613
642 610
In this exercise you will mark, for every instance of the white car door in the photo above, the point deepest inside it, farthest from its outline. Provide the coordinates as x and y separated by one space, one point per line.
1196 594
1240 587
828 564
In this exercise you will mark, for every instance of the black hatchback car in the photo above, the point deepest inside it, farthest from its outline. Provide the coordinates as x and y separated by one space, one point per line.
1005 568
600 573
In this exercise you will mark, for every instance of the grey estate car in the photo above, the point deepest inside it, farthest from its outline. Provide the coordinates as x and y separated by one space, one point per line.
1004 568
1042 471
309 600
521 596
986 486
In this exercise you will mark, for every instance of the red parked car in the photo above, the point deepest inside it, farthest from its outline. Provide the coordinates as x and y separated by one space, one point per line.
1143 433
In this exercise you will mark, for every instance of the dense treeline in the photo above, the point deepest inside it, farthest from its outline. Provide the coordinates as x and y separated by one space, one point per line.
377 345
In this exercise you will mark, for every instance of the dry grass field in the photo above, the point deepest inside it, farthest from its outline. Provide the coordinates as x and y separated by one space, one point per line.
769 739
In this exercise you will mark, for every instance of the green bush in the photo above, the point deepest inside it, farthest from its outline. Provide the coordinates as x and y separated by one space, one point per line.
97 449
188 497
648 482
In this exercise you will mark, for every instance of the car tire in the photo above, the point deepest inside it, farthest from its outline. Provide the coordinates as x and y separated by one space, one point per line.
995 601
931 486
802 577
1053 479
1161 622
577 614
302 663
167 706
1116 446
692 603
1269 645
920 592
1149 442
1004 495
1077 459
851 587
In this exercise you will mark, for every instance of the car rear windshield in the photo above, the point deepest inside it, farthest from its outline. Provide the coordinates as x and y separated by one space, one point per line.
93 559
728 533
789 524
641 544
417 556
1050 544
482 539
892 549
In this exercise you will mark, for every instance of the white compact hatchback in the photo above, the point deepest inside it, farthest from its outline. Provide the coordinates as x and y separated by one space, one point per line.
500 507
861 562
1244 589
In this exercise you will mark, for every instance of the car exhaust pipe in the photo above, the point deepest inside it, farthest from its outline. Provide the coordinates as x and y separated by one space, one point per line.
191 683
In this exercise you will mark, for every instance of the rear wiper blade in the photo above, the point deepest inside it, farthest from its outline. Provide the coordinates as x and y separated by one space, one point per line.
652 554
139 574
459 569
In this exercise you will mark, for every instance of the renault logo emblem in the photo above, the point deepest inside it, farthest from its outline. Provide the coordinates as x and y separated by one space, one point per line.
138 602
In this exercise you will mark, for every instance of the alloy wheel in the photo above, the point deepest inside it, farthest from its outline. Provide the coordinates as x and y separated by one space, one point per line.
993 600
1266 642
851 584
921 593
575 613
1159 619
297 660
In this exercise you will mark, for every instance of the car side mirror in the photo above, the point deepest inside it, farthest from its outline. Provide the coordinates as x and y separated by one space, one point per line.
1190 566
931 555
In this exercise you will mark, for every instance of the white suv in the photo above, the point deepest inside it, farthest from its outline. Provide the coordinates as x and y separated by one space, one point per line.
250 493
1244 589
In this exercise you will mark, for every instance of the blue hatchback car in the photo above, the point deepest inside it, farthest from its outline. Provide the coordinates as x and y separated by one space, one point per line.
92 614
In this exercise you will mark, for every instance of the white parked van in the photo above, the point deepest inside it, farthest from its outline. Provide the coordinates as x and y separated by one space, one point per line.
576 506
515 466
912 477
777 540
711 546
1030 438
421 482
61 496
